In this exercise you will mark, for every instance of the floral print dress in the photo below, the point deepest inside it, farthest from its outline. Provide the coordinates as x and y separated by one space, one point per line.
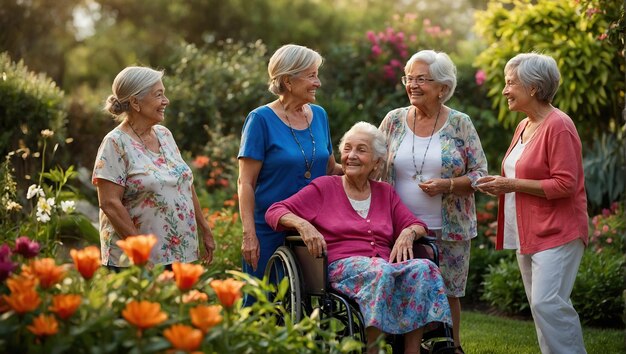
157 195
396 298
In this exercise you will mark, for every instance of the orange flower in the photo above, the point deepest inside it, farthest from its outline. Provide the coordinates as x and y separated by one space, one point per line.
87 260
205 317
65 305
186 275
21 284
144 314
228 291
166 276
44 326
138 248
195 296
183 337
47 272
23 301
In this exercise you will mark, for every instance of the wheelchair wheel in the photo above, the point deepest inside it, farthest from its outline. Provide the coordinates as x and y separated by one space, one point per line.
283 264
344 317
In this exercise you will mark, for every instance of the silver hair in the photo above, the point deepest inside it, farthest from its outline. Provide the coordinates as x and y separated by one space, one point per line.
289 60
379 144
441 69
536 71
132 81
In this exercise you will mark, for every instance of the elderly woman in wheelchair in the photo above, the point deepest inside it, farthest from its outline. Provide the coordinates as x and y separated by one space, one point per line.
367 234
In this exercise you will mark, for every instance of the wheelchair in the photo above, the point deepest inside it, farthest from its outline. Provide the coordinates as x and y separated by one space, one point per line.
309 289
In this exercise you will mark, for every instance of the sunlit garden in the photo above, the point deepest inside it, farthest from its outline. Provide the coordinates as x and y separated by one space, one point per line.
58 60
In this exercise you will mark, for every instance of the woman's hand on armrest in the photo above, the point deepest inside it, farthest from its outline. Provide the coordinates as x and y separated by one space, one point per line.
313 239
403 247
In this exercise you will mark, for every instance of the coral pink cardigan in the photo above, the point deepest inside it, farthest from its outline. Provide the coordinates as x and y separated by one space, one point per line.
554 157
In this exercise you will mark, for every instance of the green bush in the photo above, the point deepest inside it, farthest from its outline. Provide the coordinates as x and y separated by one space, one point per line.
504 289
597 294
604 171
591 67
29 103
214 88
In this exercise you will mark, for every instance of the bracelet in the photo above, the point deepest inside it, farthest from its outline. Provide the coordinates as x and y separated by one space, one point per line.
451 184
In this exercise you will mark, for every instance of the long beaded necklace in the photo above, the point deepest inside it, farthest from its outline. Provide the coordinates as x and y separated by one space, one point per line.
418 175
307 174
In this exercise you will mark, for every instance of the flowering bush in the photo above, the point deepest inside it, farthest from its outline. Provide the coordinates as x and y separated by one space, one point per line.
607 230
47 307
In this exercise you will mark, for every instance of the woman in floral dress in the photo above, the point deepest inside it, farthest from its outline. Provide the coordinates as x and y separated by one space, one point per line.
434 157
368 235
144 185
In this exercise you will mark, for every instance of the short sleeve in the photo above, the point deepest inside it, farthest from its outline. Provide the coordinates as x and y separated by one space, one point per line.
254 137
111 162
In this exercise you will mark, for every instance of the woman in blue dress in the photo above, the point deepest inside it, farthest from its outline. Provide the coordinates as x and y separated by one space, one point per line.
284 145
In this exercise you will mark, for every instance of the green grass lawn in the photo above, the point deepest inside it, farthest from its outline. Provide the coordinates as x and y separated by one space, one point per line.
488 334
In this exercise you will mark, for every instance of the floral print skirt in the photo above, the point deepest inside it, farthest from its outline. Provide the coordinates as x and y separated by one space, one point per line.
396 298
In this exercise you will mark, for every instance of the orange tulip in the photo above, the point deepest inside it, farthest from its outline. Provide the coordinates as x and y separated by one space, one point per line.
195 296
87 260
205 317
228 291
138 248
47 272
65 305
183 337
44 326
22 302
186 275
21 283
144 314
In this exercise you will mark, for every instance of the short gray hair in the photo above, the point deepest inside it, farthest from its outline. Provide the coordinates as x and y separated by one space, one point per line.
132 81
289 60
441 69
538 71
379 144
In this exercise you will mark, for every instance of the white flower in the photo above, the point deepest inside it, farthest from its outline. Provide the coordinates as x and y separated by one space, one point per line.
44 206
68 206
11 205
47 133
44 218
34 190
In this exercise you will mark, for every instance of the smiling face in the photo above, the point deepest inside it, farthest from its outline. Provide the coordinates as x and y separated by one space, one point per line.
152 105
357 156
305 84
518 97
426 94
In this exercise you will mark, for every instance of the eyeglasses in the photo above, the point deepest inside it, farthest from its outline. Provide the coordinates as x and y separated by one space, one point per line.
417 80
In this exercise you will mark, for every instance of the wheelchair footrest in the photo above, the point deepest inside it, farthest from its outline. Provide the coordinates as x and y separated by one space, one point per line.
438 345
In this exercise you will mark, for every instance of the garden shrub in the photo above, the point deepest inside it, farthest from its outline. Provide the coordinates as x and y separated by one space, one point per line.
214 88
504 289
29 103
592 68
597 293
604 166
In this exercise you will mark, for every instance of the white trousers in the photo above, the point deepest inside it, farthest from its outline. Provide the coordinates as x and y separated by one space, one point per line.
548 278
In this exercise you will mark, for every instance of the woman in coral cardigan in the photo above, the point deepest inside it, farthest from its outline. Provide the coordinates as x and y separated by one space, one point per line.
542 210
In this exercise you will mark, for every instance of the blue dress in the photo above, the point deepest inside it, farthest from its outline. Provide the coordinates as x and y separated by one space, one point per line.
268 139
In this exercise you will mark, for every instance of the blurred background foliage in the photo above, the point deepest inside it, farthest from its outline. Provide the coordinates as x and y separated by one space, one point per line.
59 59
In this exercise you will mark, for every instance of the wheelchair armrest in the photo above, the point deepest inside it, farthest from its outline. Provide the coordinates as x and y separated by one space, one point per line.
425 247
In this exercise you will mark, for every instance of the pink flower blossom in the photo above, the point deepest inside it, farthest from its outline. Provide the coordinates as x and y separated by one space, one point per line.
606 212
26 247
609 240
371 36
605 228
376 51
480 77
395 63
603 36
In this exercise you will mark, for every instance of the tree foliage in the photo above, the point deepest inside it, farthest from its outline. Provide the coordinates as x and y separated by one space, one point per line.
592 68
